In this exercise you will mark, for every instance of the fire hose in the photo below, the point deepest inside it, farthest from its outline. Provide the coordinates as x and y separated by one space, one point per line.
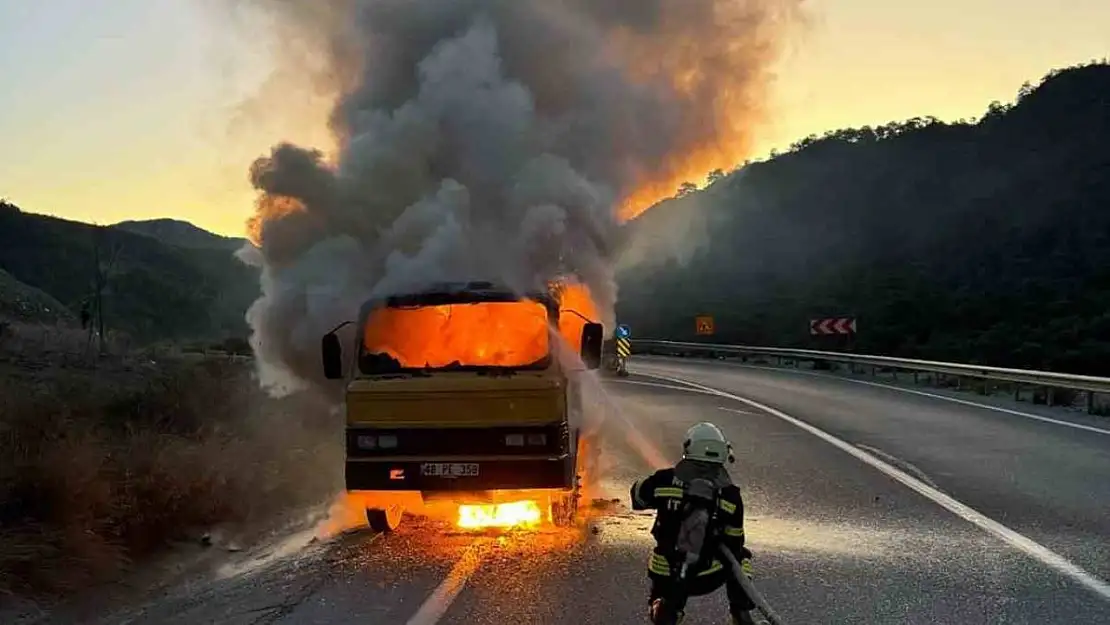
749 588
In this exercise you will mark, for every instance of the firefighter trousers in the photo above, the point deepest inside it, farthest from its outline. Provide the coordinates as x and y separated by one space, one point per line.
667 587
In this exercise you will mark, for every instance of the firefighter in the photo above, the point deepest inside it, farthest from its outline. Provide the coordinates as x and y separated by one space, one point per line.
698 509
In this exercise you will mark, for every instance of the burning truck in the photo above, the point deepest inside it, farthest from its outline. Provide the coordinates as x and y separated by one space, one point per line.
464 393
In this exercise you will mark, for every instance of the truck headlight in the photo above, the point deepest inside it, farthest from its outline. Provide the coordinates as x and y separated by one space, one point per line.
367 441
538 440
387 441
514 440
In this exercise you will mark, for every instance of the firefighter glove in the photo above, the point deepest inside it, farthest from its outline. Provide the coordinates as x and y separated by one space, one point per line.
746 568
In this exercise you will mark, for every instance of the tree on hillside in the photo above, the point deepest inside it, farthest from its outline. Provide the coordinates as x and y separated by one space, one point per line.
686 188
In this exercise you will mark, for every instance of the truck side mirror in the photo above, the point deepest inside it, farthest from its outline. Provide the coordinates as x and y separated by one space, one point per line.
593 335
332 353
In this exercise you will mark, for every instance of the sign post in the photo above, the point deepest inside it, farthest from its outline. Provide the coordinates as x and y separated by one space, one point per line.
624 341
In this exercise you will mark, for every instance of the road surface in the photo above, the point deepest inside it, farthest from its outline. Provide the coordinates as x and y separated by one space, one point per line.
865 505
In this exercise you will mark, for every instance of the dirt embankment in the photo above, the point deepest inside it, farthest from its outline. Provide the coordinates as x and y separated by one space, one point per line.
107 461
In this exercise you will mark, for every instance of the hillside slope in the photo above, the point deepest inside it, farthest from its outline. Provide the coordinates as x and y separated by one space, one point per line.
154 290
181 234
25 303
985 241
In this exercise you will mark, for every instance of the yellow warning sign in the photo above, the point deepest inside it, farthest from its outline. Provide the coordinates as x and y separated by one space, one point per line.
704 325
624 348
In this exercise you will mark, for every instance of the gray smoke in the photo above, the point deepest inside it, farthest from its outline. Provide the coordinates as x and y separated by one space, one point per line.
490 140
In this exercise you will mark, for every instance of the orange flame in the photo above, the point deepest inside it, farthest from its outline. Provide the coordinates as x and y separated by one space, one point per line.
575 302
502 334
692 167
500 515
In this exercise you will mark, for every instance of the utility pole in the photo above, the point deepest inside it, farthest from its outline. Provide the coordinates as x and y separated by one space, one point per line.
98 289
103 261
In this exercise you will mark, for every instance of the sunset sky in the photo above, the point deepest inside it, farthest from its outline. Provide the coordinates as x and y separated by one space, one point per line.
133 109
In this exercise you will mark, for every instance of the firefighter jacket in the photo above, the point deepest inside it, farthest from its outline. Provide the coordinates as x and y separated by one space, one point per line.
663 492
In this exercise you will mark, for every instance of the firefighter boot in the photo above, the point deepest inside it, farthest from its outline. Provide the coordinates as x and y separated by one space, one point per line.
745 618
662 614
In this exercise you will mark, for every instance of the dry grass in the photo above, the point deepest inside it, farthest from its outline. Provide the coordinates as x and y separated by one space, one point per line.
102 465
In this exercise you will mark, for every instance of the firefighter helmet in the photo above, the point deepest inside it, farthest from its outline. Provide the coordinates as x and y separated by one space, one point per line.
705 442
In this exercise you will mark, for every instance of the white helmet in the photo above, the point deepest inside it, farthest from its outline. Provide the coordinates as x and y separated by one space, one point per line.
705 442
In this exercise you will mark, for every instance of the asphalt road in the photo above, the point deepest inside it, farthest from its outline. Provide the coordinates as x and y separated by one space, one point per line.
901 509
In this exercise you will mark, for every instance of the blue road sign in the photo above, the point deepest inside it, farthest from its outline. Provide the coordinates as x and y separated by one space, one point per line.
623 331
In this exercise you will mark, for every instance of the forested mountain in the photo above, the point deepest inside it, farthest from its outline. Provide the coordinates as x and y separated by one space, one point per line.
984 241
171 281
181 233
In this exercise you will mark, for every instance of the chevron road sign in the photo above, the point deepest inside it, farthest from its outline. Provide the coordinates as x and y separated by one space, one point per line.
834 325
624 347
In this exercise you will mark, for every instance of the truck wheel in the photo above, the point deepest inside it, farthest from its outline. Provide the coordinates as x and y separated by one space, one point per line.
384 520
564 510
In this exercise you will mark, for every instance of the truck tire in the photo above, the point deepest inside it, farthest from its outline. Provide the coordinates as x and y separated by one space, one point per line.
564 506
384 520
564 509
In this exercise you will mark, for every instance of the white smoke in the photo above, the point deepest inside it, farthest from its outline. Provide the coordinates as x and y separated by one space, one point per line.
483 141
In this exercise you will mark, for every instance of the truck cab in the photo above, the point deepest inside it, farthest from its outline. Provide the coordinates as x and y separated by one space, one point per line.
459 392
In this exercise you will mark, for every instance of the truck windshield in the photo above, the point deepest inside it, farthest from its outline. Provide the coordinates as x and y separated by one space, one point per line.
479 336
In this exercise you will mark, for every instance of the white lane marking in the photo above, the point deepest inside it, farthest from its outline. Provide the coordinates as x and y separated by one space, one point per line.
688 389
657 385
898 462
734 410
890 458
1018 413
1027 545
435 606
1010 411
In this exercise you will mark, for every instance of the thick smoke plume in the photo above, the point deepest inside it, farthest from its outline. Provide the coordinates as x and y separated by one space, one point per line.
500 140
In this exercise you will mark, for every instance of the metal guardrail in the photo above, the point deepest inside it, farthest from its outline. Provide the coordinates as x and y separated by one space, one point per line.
1048 379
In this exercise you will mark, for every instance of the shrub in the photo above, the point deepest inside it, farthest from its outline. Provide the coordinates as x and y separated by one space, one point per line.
99 469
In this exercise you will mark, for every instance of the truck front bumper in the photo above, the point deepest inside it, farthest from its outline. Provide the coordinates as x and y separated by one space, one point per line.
408 474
